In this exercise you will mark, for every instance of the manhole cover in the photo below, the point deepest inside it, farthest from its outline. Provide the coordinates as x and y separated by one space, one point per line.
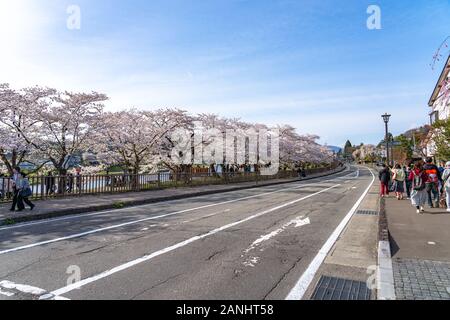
330 288
367 212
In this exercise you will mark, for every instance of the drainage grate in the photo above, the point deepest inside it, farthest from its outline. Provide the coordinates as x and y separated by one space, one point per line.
367 212
330 288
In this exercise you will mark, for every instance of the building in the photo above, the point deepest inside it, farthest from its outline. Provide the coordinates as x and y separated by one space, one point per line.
439 104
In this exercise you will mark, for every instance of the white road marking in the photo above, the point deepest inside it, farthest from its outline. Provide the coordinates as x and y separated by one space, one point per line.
6 293
298 223
30 290
60 298
179 245
78 216
251 262
22 288
305 280
49 296
82 234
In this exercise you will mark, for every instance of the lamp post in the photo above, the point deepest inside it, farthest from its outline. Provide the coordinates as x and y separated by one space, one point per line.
415 141
386 118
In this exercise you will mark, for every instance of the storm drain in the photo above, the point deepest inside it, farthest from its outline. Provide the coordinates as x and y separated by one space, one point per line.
367 212
330 288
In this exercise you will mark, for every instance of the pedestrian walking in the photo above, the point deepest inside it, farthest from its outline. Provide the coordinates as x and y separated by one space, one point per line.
385 176
418 177
70 180
399 181
17 182
446 184
49 184
432 183
4 182
441 167
78 181
24 193
407 171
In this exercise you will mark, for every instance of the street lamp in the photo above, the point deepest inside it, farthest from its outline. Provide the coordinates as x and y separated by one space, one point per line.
415 140
386 118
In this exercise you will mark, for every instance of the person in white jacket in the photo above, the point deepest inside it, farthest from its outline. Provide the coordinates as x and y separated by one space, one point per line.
446 184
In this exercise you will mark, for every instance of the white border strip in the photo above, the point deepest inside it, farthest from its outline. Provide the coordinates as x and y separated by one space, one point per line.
26 289
305 280
385 273
133 263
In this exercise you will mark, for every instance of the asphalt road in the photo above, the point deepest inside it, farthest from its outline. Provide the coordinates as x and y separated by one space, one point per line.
251 244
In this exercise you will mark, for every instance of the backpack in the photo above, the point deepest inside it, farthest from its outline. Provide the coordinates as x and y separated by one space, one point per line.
25 193
419 183
432 175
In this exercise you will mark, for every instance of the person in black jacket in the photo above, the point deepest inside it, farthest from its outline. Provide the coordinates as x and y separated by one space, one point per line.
385 177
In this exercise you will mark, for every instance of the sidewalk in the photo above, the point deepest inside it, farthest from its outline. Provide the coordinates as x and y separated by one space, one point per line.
76 205
420 247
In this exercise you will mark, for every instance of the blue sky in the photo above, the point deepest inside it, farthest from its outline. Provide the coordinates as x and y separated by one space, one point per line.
312 64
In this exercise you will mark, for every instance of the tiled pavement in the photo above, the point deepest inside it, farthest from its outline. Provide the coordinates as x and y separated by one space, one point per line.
420 246
421 279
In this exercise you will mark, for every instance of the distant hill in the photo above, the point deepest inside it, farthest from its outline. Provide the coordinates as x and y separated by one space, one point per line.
334 149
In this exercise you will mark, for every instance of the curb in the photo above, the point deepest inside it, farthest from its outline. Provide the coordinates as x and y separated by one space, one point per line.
134 203
385 273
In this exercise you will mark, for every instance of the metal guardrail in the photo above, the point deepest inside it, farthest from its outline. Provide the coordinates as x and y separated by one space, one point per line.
49 187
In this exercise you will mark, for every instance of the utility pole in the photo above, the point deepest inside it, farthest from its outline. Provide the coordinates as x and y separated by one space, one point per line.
386 118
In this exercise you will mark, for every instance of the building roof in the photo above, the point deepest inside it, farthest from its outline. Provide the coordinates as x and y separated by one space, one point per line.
437 89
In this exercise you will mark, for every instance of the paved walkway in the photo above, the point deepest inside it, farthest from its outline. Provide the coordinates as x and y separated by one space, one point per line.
75 205
420 247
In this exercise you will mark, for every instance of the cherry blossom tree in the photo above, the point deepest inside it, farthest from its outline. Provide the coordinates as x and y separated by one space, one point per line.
296 149
42 123
17 121
134 138
65 125
440 54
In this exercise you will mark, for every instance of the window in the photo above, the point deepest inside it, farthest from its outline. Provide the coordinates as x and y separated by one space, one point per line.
434 116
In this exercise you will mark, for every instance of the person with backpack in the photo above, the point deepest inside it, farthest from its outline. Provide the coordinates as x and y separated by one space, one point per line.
418 177
398 176
385 176
432 183
446 184
24 193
